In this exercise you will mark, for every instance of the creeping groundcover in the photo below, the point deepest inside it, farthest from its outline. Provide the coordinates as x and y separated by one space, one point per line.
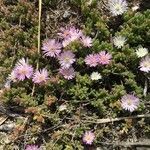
74 74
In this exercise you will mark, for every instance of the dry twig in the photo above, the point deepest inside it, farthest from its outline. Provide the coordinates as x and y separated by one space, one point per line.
39 40
107 120
128 144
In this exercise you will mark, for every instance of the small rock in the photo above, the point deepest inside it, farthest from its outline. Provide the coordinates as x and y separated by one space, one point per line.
7 127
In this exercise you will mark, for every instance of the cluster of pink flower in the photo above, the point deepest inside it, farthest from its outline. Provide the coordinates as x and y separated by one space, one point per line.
102 58
54 48
23 70
71 34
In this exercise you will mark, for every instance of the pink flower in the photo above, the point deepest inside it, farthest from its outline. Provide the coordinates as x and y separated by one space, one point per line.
51 48
88 137
66 59
22 70
66 42
68 73
145 64
75 33
65 32
91 60
32 147
69 35
129 102
86 40
104 58
40 76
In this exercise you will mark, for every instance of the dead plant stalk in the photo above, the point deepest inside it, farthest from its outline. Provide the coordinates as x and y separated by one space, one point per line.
39 40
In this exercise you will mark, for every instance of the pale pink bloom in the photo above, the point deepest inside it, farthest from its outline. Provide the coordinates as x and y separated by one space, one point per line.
129 102
75 33
69 34
51 48
40 76
22 70
104 58
65 33
66 59
66 42
68 73
32 147
92 60
145 64
86 41
88 137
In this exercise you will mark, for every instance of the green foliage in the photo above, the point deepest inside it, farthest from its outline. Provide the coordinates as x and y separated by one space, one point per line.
85 100
136 28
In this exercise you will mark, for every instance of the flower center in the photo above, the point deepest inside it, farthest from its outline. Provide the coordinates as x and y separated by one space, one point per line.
147 65
129 102
23 71
52 48
88 138
66 33
41 78
66 59
120 42
118 7
104 59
